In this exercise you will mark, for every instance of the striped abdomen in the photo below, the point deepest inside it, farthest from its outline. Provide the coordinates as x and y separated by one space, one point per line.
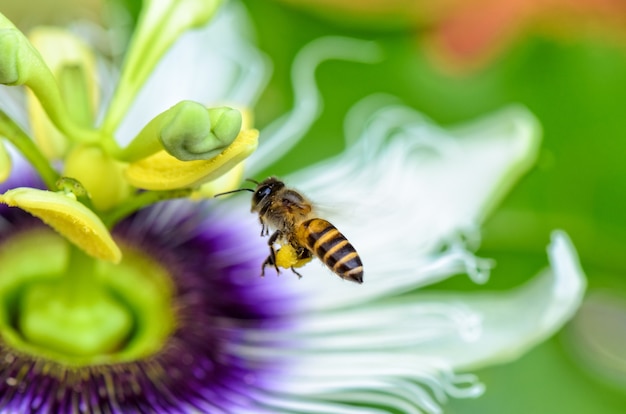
332 248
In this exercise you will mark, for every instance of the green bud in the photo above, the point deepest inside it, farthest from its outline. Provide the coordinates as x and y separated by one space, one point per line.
188 131
195 133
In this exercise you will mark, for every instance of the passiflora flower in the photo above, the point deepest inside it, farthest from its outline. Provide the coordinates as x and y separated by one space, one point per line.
124 290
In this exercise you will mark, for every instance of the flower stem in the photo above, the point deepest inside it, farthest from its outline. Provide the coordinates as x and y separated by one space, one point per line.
11 131
139 201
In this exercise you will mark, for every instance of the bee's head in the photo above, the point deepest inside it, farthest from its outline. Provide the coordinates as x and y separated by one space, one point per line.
264 190
262 193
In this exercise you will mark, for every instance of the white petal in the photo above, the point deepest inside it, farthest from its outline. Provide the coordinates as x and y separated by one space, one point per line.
407 168
215 65
406 189
515 321
401 352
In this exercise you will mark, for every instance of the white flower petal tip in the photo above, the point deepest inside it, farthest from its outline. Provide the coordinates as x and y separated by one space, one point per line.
569 284
513 322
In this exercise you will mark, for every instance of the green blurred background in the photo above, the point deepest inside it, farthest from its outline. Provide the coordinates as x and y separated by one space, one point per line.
570 71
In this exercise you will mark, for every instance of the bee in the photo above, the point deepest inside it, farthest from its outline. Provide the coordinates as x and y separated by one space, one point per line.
300 234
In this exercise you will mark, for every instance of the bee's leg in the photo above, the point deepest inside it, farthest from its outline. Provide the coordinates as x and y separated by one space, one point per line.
271 259
264 229
297 274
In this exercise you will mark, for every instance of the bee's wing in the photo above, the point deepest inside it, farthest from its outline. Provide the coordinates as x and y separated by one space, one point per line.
333 210
296 203
341 209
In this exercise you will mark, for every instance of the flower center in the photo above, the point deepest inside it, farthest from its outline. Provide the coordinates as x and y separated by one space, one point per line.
59 303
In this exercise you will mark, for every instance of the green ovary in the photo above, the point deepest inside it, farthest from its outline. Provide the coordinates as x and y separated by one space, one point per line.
79 311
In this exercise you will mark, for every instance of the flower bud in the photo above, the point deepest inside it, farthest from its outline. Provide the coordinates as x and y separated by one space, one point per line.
191 132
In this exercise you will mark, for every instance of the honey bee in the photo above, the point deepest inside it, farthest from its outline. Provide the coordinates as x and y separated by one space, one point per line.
300 233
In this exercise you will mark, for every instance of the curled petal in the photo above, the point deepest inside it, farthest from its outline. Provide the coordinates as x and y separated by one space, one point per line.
162 171
69 217
511 323
286 132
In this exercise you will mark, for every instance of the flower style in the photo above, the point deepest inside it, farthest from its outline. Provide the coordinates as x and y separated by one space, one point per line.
145 299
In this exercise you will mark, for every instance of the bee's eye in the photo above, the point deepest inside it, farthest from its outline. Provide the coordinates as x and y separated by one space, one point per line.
261 193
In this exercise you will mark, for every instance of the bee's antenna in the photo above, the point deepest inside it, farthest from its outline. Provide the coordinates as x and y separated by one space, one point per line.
241 189
234 191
